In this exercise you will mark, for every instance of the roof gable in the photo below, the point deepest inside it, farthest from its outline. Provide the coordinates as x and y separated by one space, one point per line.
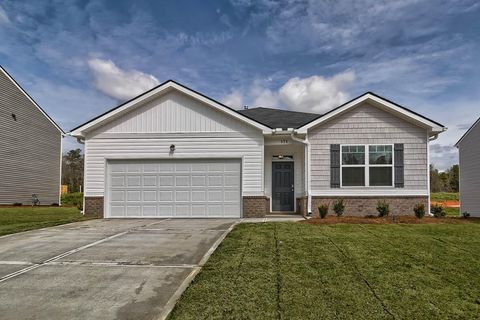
19 88
474 125
173 112
382 103
151 94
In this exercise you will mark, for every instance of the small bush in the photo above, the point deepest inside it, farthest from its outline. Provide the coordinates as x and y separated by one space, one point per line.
338 207
383 208
323 210
72 199
437 210
54 204
17 204
419 210
465 215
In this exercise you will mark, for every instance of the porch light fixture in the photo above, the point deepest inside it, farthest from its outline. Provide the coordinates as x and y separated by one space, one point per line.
172 148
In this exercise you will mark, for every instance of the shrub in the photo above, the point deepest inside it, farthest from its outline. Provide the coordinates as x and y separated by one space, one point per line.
465 215
383 208
338 207
437 210
72 199
17 204
419 210
323 210
54 204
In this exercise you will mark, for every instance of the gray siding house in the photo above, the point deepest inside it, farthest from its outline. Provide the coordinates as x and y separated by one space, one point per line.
30 148
469 156
174 152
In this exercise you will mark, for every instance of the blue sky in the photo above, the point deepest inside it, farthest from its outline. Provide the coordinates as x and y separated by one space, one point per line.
80 58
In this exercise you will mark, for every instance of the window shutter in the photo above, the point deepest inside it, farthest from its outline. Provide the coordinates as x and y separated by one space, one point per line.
399 165
334 166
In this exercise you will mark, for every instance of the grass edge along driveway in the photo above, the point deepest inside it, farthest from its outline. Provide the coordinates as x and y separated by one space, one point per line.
301 271
24 218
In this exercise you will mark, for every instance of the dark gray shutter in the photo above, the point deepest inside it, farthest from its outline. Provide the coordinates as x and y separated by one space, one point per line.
399 164
334 166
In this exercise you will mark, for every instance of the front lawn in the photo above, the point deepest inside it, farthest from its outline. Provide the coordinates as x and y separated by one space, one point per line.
17 219
342 271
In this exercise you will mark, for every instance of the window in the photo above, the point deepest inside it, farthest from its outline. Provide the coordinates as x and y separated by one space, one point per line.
376 172
381 165
353 166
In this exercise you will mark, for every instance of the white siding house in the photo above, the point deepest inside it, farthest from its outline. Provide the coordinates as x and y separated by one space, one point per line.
173 152
469 156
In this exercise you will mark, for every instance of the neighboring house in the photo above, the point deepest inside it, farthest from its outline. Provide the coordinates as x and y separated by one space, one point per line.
469 156
30 148
173 152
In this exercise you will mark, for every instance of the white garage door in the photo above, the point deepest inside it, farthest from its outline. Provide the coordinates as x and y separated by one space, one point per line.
173 188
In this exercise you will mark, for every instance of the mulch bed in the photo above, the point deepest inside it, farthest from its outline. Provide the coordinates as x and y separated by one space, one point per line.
390 220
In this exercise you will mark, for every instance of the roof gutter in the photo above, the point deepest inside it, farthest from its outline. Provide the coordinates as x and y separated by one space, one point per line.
307 168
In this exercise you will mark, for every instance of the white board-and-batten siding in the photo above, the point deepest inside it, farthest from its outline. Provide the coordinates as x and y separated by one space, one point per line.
367 124
469 157
196 130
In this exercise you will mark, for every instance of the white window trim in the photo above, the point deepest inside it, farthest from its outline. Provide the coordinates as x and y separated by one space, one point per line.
367 165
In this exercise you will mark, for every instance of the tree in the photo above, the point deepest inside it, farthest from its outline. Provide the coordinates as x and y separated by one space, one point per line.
72 170
446 181
436 184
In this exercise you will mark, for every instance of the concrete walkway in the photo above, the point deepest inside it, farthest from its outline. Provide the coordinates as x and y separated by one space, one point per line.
103 269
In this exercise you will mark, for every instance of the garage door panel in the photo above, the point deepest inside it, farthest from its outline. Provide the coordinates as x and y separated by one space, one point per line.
149 195
174 188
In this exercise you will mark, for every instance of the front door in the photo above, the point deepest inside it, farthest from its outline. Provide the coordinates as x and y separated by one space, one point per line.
282 186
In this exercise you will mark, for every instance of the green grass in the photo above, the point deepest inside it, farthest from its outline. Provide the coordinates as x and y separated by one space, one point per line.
452 212
442 196
345 271
17 219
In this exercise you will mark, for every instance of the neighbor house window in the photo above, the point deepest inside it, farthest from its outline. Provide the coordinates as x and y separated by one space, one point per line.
367 165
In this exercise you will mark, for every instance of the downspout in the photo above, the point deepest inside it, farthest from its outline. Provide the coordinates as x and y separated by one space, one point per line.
307 170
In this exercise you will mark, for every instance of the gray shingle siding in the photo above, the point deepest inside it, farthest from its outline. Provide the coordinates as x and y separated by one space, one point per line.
469 156
30 149
367 124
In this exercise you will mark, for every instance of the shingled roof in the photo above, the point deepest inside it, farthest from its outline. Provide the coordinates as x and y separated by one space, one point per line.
276 118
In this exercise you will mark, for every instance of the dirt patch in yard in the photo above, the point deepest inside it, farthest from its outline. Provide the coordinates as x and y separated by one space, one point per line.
390 220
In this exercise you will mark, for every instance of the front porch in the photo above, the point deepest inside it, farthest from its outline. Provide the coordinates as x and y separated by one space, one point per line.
284 180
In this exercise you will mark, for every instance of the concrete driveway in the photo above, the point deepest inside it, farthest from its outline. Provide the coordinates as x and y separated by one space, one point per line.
103 269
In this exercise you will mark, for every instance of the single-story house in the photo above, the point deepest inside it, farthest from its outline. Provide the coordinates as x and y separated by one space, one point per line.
30 148
174 152
469 158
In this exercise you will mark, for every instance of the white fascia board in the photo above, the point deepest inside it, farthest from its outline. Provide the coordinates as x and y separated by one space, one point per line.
80 131
434 128
31 100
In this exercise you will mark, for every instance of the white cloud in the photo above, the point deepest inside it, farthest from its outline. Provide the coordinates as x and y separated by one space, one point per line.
117 83
3 16
316 94
233 99
313 94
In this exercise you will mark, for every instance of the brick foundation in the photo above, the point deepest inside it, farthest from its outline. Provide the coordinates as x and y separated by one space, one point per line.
94 206
255 206
302 206
362 206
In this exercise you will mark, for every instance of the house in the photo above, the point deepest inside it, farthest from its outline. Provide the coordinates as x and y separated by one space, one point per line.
469 156
174 152
31 148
